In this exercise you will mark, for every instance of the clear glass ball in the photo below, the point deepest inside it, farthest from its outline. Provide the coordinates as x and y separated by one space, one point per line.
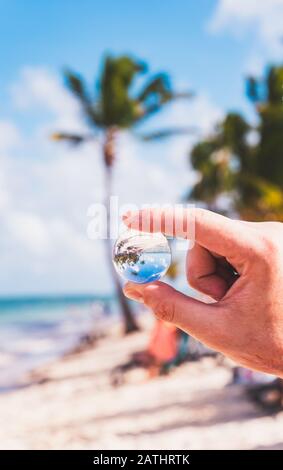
141 257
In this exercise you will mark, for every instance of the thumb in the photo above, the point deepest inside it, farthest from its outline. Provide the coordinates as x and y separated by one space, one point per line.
206 322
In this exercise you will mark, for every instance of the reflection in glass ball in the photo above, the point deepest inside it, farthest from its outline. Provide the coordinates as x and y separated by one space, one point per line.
141 257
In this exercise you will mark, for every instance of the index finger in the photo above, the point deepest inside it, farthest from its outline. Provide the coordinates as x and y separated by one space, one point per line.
212 231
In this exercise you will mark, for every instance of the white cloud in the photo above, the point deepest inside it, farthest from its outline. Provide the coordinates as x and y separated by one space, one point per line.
29 230
39 89
47 188
262 18
9 136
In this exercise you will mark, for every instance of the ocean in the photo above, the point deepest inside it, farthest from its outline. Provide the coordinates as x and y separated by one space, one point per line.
35 330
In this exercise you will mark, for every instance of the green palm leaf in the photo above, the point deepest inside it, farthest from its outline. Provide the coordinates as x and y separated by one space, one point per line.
77 86
165 133
74 139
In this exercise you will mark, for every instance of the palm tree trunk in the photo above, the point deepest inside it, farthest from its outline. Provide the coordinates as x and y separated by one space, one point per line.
130 324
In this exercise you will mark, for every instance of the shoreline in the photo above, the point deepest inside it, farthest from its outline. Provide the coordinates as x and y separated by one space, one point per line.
72 405
34 334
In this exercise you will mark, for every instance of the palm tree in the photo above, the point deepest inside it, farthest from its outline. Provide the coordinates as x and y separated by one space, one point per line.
248 172
115 106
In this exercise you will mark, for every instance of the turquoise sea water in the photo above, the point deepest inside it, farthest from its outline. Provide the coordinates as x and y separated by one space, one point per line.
34 330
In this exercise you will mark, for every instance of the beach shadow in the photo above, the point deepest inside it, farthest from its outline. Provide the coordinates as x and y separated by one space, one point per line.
41 379
211 408
224 407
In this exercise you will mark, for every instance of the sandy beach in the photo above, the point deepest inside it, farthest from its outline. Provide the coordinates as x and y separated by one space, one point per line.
76 407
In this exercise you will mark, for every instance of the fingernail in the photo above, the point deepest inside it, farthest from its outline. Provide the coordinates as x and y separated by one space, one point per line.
134 295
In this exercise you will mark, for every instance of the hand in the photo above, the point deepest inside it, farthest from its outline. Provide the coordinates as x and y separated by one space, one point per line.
239 265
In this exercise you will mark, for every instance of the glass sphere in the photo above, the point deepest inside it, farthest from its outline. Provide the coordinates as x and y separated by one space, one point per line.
141 257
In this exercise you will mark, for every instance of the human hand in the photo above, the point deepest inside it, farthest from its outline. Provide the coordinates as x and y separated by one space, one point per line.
239 265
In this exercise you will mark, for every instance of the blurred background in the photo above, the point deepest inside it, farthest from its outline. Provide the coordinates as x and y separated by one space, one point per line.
159 102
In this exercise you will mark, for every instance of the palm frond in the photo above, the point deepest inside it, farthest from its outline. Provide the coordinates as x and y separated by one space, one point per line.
156 93
91 109
149 110
158 86
165 133
94 115
116 103
73 139
159 90
77 86
252 89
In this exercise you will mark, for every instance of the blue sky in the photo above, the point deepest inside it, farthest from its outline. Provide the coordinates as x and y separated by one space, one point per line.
172 35
207 45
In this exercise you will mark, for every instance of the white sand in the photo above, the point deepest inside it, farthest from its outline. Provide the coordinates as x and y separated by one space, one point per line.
78 409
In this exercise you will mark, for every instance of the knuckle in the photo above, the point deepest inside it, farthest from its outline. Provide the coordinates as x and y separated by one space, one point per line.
164 309
150 298
265 246
268 248
161 299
